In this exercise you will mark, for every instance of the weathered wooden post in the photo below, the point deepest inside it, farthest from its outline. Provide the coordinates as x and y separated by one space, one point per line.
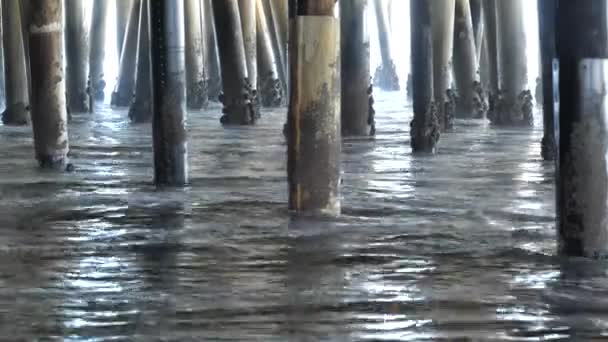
356 101
238 97
195 67
270 88
476 19
49 111
125 84
77 49
546 20
442 20
278 25
17 91
386 75
582 173
314 137
212 59
167 45
491 53
97 50
425 130
514 106
141 107
471 100
123 11
249 27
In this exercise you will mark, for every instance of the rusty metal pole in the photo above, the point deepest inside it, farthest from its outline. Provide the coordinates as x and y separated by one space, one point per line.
168 62
49 110
546 20
97 50
356 99
238 98
582 114
270 88
424 129
125 84
195 67
314 138
386 75
141 108
15 67
77 50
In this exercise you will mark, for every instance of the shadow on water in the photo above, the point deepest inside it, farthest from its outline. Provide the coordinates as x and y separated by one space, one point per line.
457 245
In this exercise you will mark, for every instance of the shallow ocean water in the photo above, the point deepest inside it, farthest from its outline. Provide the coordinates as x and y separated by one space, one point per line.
457 245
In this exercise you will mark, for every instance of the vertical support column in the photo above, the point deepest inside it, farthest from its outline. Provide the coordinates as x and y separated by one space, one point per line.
582 176
491 51
212 59
123 10
278 24
471 100
125 85
270 88
478 27
386 75
2 64
248 25
167 45
195 75
17 91
546 20
314 139
76 45
49 111
356 98
425 130
141 108
97 52
514 106
442 21
237 98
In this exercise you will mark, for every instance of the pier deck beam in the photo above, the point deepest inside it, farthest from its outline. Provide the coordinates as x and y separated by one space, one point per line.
168 65
314 137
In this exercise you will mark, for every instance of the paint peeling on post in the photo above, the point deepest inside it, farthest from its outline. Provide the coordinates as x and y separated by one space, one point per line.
167 45
314 138
49 111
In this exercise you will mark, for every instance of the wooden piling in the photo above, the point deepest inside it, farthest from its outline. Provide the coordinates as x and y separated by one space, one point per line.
247 13
514 104
270 88
123 10
546 20
582 174
491 53
424 129
238 97
125 84
212 58
195 75
77 53
141 107
97 50
168 64
356 98
15 65
442 21
386 75
471 100
2 79
314 138
49 110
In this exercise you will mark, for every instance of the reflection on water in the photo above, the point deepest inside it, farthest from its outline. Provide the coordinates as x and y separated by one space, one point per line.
456 245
